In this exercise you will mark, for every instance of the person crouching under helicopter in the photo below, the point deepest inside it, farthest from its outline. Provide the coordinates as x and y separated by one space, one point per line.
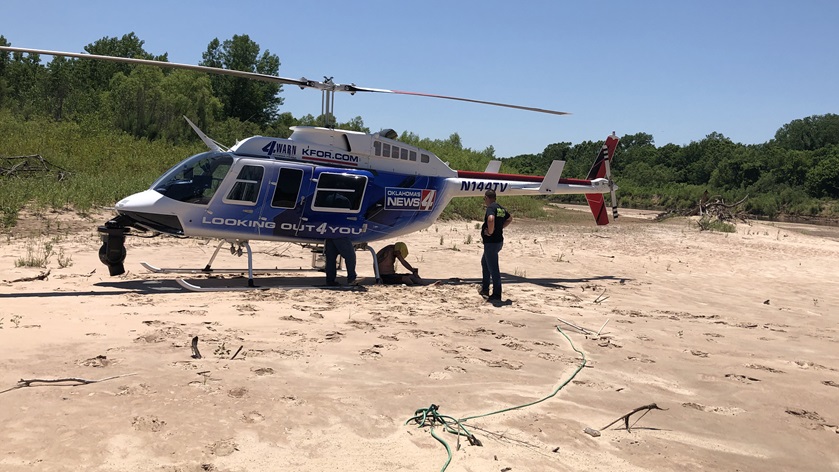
387 257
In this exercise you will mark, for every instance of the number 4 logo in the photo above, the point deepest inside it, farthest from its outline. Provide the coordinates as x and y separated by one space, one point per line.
427 201
269 148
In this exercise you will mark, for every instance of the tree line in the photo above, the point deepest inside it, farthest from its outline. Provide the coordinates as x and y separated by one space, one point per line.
796 172
149 102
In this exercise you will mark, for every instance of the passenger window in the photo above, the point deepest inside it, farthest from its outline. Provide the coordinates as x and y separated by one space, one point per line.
386 150
425 158
377 146
413 155
339 193
288 187
405 154
246 187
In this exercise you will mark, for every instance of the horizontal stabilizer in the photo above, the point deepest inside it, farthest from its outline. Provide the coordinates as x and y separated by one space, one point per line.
493 167
551 181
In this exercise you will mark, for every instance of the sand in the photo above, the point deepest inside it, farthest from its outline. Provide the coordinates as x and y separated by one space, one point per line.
734 336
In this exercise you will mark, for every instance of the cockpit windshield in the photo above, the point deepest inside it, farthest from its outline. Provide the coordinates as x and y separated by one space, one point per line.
196 179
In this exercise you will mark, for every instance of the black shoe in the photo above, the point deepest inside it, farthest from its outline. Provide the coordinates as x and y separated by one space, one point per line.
494 299
483 293
333 284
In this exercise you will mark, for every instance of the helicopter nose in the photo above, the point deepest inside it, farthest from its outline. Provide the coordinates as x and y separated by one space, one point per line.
143 201
152 210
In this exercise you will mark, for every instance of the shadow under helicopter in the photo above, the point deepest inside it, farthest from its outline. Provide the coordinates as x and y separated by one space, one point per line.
170 286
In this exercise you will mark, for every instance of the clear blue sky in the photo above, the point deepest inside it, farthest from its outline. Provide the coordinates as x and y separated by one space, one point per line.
678 70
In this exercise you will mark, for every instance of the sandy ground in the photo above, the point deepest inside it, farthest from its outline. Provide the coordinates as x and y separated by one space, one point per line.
733 336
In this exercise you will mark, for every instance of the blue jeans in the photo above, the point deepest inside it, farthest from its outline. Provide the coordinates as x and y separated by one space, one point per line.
332 248
490 269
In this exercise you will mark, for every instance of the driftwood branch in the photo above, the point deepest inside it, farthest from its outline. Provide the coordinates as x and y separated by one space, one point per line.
29 165
625 418
79 381
41 276
711 207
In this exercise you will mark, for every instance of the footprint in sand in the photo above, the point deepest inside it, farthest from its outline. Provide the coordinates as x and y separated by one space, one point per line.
763 367
262 371
594 385
161 335
141 389
814 420
150 423
98 361
224 447
512 323
741 378
517 346
720 410
253 417
238 392
370 354
447 373
555 358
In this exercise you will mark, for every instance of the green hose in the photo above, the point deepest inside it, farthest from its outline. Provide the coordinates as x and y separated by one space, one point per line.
430 416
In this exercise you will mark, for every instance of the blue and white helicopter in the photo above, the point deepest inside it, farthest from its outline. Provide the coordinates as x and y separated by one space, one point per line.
319 183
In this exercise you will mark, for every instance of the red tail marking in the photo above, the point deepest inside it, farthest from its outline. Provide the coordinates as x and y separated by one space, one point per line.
598 171
598 208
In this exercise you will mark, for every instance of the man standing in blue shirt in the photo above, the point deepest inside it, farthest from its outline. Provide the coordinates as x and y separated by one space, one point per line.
496 219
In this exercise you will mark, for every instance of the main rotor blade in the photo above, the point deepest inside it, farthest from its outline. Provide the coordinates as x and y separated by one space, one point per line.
328 85
497 104
173 65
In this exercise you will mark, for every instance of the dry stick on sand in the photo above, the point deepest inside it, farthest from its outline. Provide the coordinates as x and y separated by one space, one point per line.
578 328
195 353
625 418
28 382
237 352
41 276
601 298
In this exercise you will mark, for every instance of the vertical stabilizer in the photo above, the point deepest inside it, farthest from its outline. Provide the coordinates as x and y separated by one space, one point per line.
599 170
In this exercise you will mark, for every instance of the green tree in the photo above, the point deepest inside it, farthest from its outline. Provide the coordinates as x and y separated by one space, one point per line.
25 76
4 65
244 99
149 104
810 133
77 84
823 179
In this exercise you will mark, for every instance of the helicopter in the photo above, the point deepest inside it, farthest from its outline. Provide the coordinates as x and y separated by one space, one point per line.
320 183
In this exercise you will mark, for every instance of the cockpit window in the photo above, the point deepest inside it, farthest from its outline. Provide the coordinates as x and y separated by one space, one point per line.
196 179
246 187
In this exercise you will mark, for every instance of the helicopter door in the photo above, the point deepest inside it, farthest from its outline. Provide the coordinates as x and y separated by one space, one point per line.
289 187
335 206
237 211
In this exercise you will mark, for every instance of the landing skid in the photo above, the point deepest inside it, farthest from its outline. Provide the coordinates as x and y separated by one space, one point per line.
197 288
251 285
184 270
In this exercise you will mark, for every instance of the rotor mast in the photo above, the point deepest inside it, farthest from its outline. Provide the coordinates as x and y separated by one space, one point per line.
327 105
